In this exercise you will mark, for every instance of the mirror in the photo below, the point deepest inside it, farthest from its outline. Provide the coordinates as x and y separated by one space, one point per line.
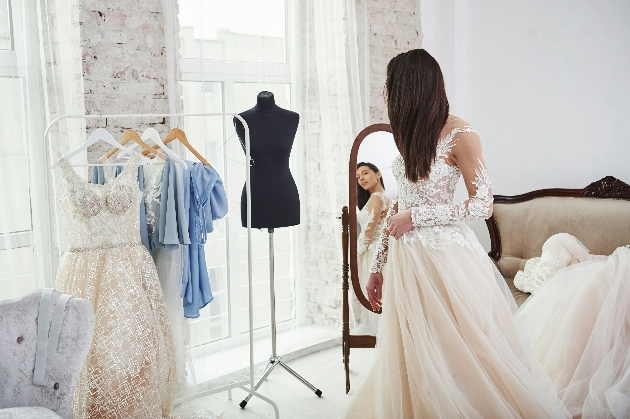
374 145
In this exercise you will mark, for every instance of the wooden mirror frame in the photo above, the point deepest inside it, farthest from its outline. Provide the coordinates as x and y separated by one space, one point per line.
349 240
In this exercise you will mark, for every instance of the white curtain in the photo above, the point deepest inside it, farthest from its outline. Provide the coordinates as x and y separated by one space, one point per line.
47 52
63 93
333 114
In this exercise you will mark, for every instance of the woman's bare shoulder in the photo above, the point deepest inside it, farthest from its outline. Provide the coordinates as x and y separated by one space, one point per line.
380 197
454 122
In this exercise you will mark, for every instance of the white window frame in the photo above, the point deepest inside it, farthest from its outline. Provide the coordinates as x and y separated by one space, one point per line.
228 73
22 62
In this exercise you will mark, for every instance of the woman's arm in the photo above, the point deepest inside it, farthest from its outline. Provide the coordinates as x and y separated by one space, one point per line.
376 208
380 257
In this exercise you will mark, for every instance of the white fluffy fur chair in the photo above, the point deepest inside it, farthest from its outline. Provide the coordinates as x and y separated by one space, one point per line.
19 396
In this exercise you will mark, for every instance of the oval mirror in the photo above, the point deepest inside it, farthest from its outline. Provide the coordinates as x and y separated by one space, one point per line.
371 188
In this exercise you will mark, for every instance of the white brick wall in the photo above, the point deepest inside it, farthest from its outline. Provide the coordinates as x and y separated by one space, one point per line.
124 64
394 27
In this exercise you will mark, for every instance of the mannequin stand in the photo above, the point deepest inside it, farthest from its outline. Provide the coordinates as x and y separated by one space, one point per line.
274 359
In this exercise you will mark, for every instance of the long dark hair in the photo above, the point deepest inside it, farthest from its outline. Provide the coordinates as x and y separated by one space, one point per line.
362 195
417 108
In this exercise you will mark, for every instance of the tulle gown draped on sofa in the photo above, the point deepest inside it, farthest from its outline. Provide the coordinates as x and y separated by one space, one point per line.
447 345
578 323
130 369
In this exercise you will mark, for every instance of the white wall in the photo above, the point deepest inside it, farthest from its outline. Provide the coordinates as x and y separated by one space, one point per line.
380 149
545 83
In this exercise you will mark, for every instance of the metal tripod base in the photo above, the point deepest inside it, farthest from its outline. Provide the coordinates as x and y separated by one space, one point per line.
273 361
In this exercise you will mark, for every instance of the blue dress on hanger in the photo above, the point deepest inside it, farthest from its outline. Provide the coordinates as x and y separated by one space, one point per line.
207 202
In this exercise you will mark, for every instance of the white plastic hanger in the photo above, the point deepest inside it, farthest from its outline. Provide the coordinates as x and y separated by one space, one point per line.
152 134
96 136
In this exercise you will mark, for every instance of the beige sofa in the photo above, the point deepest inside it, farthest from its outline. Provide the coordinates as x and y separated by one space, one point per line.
598 215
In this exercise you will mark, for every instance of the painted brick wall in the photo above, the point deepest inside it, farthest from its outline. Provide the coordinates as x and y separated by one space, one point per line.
124 64
394 27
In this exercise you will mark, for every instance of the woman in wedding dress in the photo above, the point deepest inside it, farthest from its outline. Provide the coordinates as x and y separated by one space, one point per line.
447 343
578 323
373 205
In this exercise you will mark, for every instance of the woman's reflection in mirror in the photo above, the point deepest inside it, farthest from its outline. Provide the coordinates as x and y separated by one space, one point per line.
373 205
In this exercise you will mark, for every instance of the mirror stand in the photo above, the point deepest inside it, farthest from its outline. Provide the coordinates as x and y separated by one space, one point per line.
350 259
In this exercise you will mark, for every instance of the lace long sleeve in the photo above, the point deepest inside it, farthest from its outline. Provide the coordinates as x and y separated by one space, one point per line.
467 154
380 256
375 209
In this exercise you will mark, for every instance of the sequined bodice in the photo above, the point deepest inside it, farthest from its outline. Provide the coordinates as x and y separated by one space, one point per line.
102 215
439 188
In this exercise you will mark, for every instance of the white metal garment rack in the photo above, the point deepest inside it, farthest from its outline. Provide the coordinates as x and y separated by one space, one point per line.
239 384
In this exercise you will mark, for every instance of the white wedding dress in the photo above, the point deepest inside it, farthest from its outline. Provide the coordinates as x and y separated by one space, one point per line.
371 219
578 323
447 344
130 369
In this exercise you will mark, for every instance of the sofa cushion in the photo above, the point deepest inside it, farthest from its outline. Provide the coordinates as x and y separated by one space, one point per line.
28 413
518 295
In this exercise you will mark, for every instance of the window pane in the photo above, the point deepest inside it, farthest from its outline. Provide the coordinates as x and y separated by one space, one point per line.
205 133
245 94
15 205
234 30
5 25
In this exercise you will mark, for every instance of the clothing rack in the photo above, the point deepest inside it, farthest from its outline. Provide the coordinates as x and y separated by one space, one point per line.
228 387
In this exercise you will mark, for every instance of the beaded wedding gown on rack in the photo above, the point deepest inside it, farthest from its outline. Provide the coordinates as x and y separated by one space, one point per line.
447 344
130 369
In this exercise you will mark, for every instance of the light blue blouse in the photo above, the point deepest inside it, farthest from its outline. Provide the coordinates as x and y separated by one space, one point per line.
173 222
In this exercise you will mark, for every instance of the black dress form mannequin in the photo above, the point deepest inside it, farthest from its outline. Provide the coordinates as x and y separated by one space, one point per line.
274 195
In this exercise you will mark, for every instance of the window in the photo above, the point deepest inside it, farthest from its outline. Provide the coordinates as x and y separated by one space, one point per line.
6 37
17 256
223 69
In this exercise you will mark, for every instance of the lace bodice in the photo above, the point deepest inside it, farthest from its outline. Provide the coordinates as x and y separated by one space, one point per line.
101 216
438 221
371 218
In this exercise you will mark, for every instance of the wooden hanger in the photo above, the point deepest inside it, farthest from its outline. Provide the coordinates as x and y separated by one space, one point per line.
131 135
177 133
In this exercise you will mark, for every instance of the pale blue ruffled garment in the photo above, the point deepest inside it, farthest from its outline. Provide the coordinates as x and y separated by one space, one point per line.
207 203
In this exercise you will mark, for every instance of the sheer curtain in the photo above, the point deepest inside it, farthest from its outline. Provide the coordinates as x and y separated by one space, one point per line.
44 81
333 114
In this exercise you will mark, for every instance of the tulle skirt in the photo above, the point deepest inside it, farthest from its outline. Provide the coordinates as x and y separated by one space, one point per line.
579 326
130 369
447 344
